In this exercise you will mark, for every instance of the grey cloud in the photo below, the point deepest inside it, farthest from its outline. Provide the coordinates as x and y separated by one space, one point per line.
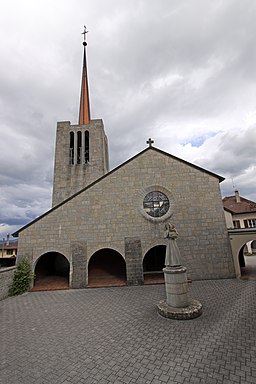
235 152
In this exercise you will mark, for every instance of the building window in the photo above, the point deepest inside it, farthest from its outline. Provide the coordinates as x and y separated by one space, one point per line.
10 252
71 148
79 147
250 223
86 147
156 204
236 224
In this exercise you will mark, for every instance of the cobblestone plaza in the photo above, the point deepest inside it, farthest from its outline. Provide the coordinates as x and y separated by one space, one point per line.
114 335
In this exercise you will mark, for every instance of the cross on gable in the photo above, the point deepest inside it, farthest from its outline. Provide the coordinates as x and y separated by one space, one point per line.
150 142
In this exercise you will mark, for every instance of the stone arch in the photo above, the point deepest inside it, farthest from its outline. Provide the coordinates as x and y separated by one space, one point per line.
238 240
153 264
253 246
247 263
52 271
241 258
106 267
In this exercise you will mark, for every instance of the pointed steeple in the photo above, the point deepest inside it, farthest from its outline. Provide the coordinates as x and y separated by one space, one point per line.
84 110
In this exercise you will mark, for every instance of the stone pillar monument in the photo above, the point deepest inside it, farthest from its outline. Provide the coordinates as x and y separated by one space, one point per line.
177 305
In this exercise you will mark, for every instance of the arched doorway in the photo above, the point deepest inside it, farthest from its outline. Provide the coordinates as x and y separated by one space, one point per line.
51 272
106 268
153 264
247 262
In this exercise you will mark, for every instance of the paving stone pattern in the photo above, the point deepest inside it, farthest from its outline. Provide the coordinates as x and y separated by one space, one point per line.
115 335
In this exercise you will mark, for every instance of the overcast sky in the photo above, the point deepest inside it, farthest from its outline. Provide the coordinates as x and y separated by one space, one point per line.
179 71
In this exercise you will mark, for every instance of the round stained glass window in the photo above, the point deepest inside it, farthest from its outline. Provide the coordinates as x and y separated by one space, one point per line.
156 204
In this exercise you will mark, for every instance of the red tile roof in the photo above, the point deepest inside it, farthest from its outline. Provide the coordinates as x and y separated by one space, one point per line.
244 206
11 245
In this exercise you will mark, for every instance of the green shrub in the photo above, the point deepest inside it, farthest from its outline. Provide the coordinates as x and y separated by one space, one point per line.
22 278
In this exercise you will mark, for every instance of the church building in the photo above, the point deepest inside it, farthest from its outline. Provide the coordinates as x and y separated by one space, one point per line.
107 227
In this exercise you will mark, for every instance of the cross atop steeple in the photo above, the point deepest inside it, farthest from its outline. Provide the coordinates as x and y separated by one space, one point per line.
84 110
84 33
150 142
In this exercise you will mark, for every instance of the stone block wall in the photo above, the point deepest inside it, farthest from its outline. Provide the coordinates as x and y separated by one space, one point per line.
6 278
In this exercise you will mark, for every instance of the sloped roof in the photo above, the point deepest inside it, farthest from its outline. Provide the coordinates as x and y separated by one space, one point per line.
244 206
13 245
220 178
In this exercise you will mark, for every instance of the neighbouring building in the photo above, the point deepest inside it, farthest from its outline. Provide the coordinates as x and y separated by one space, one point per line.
8 249
107 227
239 212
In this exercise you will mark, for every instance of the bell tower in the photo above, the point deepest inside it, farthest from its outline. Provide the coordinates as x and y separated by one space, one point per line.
81 151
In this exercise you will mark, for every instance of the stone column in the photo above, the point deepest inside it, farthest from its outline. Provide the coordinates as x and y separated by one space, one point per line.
133 258
176 286
79 264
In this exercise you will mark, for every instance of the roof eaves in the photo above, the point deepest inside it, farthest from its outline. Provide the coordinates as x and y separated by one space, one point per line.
221 178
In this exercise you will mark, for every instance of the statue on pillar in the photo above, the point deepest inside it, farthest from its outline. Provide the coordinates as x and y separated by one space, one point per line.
178 305
172 256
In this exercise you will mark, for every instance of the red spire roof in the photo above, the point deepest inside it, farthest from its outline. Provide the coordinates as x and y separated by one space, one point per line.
84 110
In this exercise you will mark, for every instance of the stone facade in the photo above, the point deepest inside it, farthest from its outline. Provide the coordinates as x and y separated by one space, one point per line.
109 214
6 278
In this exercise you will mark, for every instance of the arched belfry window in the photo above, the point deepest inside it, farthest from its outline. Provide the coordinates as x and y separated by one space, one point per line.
79 147
71 148
86 147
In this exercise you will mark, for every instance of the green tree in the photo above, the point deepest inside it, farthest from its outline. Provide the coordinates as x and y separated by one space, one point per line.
22 278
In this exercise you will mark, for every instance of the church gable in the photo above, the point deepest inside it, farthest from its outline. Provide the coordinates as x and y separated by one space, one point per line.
113 207
151 167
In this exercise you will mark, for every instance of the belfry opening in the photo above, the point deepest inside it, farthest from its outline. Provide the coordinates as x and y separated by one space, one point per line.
79 147
86 147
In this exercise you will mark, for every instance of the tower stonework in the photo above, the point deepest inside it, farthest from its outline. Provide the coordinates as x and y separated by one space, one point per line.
81 157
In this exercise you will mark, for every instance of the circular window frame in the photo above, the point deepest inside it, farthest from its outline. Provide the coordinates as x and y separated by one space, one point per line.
156 204
165 191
